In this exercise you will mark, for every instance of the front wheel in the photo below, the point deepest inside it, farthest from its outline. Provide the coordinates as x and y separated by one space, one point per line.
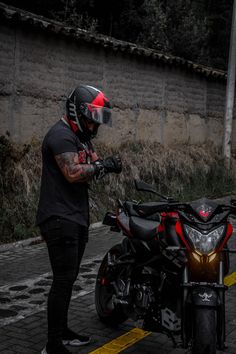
204 331
108 312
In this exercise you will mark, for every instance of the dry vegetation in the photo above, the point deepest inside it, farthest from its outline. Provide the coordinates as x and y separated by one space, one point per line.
186 172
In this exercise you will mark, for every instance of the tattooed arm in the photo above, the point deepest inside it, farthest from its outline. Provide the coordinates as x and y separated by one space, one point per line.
94 157
72 170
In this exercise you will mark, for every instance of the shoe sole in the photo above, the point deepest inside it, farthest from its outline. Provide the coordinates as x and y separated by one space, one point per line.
73 343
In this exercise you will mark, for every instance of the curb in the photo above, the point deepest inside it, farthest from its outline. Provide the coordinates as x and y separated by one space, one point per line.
35 240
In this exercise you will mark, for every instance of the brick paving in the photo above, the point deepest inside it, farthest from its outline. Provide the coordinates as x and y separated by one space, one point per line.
28 335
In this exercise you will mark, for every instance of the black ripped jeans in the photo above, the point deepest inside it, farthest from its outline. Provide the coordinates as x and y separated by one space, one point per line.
66 243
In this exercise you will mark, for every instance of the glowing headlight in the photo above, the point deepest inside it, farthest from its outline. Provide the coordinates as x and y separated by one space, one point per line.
204 242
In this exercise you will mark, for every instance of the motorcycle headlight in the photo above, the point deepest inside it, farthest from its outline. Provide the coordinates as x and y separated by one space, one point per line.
204 242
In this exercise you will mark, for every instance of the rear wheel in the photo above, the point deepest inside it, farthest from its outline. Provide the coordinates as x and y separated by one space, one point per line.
204 331
107 311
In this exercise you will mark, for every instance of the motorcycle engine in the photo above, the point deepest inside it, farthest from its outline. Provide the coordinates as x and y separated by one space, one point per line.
143 298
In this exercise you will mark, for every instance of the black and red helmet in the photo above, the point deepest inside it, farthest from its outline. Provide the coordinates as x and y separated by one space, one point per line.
87 103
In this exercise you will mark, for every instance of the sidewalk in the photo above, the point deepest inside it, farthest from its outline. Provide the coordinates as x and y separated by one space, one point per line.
24 283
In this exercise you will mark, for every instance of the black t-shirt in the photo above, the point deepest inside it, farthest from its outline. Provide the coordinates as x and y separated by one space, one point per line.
58 197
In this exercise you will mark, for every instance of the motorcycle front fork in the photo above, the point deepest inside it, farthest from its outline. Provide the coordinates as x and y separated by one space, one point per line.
221 333
184 309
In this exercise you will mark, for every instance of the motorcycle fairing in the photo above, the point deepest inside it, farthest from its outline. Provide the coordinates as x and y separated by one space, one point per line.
167 230
123 222
204 208
204 296
170 320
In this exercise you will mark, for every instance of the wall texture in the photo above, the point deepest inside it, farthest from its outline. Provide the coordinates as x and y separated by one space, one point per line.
152 100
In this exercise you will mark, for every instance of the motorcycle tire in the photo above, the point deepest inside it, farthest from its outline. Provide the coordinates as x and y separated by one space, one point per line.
204 331
107 312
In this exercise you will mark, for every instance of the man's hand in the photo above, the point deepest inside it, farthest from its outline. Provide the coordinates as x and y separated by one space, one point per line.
108 165
113 164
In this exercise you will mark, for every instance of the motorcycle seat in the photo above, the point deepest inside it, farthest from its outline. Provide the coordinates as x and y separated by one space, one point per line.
143 229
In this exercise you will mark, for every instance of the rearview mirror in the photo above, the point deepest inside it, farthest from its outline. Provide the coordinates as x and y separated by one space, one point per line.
142 186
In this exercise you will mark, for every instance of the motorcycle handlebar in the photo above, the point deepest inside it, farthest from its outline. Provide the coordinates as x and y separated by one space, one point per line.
230 208
158 207
146 210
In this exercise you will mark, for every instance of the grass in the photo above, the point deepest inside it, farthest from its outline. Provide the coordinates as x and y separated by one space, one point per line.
184 172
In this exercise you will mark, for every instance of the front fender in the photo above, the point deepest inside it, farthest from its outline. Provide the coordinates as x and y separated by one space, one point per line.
204 296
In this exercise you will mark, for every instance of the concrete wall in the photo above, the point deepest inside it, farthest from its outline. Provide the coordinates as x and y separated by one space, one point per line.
151 101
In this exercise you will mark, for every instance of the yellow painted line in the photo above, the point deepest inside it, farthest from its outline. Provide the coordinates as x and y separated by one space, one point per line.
230 279
123 342
136 334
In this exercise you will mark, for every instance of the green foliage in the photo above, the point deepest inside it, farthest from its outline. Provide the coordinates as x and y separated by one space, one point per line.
74 14
155 27
198 30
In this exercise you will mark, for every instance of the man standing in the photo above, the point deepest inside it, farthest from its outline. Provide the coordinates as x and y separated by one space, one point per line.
69 163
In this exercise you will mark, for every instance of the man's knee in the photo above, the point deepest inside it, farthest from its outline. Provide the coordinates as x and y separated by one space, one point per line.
66 280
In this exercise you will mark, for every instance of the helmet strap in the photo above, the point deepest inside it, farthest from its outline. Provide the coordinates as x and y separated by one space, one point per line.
65 120
78 123
70 123
82 134
74 126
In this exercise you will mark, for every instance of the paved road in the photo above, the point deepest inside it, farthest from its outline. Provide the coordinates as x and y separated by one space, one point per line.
25 279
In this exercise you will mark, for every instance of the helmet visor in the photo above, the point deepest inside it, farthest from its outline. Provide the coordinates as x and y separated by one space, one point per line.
97 114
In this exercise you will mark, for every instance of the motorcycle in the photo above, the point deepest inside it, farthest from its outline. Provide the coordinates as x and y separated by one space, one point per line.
168 272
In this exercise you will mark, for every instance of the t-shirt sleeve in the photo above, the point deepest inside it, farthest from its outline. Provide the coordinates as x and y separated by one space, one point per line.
60 142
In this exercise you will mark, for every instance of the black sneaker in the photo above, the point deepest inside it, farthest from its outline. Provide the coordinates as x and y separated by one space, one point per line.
56 349
74 339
